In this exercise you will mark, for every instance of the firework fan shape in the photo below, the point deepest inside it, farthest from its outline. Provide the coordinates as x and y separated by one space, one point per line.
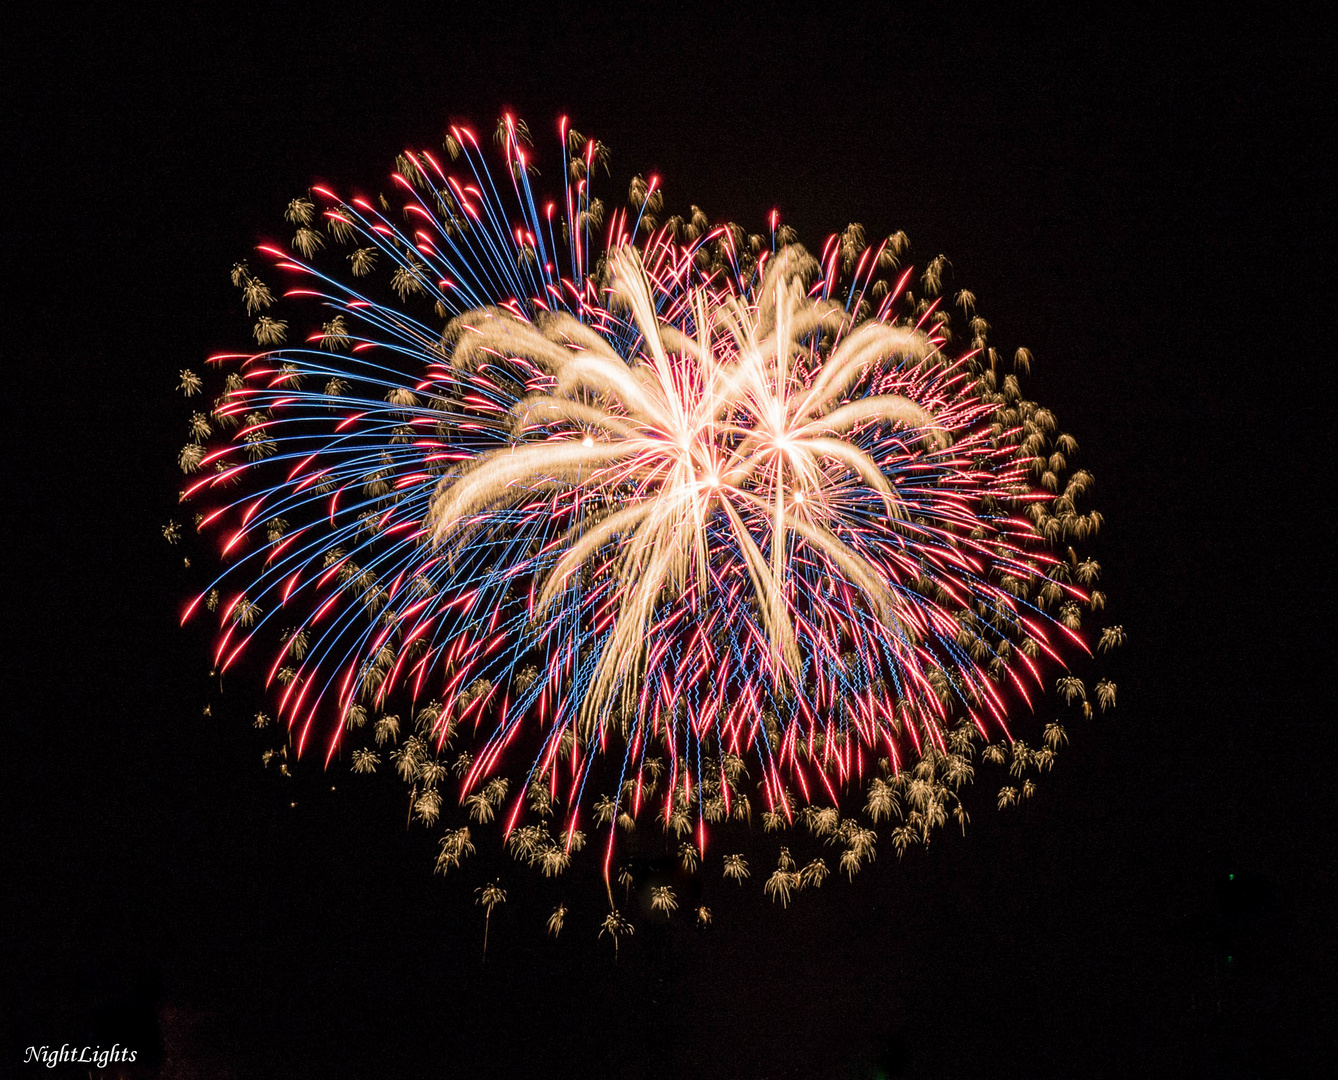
589 520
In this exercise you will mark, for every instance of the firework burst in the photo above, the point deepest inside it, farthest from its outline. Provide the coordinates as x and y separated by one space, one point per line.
635 519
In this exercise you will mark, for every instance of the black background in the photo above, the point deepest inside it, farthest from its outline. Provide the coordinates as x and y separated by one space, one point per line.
1141 202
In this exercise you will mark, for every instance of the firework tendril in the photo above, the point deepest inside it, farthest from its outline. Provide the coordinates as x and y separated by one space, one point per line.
635 519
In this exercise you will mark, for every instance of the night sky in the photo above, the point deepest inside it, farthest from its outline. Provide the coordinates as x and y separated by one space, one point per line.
1139 202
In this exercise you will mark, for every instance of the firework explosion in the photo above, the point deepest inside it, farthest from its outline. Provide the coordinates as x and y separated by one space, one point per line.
636 522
